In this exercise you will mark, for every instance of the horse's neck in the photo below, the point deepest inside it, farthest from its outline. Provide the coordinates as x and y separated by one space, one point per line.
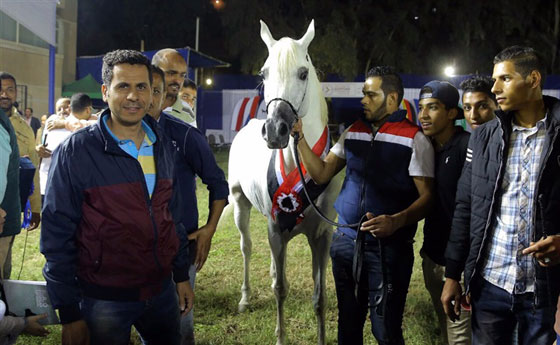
314 123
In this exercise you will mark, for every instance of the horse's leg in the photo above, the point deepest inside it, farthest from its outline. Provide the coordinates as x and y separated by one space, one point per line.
278 247
241 213
320 255
273 269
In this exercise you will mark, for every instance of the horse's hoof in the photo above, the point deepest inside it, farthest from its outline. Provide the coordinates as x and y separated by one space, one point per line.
243 307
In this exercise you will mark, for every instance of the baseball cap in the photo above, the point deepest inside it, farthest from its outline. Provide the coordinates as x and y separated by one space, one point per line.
445 92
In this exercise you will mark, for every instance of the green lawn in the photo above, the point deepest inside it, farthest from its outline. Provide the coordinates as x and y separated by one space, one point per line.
218 290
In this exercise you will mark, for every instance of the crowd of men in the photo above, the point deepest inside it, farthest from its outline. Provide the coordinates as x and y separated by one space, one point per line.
488 198
119 211
119 217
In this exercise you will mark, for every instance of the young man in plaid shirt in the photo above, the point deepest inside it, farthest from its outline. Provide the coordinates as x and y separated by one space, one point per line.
505 226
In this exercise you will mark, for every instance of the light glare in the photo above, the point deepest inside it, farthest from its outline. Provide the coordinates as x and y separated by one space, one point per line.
449 71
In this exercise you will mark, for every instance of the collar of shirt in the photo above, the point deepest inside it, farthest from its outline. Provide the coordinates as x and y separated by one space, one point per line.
451 142
541 124
128 144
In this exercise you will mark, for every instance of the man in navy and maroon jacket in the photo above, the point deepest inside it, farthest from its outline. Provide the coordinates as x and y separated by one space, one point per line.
111 235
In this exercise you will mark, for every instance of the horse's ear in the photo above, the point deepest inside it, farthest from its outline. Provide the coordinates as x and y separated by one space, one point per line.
267 36
308 37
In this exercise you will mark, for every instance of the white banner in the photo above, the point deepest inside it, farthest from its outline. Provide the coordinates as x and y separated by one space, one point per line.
39 16
342 90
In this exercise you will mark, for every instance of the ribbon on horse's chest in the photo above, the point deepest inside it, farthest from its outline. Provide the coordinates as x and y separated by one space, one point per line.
285 190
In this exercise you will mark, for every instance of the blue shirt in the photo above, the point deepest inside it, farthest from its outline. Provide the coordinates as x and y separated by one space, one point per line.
144 155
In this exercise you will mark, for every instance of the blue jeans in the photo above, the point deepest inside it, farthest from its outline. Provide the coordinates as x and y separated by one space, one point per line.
187 321
156 320
383 294
495 312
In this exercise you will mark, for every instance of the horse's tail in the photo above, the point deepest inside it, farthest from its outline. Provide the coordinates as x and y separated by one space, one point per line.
226 213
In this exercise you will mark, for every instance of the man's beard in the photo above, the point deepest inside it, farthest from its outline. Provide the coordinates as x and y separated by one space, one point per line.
169 94
379 114
8 107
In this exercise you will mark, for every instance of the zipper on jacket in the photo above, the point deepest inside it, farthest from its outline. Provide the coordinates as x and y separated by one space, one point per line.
488 219
363 191
541 207
149 202
149 205
144 184
539 177
536 299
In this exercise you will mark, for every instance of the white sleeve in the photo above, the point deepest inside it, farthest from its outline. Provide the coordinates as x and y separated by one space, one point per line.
338 148
422 161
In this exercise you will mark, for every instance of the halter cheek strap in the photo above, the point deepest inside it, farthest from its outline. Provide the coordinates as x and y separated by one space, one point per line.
296 112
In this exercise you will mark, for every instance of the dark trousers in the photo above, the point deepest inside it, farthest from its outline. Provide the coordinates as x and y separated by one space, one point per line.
156 320
384 295
495 313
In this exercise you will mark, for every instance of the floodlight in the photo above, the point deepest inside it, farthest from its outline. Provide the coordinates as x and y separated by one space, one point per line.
449 71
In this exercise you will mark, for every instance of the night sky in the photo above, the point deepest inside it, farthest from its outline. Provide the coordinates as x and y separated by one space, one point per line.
105 25
351 35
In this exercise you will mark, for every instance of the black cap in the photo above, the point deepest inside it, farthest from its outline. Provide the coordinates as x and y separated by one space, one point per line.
445 92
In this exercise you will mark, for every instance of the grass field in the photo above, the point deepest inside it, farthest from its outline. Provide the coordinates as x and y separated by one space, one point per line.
218 290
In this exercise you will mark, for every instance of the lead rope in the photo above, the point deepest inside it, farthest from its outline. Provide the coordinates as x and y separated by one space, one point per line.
298 164
357 260
23 255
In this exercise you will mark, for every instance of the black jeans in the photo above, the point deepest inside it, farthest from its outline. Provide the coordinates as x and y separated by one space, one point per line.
383 294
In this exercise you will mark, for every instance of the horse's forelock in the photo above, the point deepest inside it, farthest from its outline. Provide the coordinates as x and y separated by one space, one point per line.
285 55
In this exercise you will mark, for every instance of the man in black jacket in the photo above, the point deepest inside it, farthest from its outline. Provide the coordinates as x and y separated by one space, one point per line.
438 110
505 226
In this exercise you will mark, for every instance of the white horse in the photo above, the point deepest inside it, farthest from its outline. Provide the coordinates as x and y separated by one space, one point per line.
291 90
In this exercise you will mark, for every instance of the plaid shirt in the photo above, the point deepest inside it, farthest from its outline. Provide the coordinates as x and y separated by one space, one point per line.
513 225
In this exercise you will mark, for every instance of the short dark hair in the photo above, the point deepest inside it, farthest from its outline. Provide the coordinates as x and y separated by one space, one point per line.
79 102
479 83
188 83
525 60
31 109
6 75
121 56
158 71
391 81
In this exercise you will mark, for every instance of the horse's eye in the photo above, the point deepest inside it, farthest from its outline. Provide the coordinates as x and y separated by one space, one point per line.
303 72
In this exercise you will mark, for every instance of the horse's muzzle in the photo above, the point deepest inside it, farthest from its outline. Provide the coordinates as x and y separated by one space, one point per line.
276 135
277 127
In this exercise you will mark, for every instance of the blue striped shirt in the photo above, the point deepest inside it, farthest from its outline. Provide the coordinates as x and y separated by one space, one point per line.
506 266
144 155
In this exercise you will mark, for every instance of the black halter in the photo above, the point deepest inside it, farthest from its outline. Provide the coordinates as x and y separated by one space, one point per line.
296 112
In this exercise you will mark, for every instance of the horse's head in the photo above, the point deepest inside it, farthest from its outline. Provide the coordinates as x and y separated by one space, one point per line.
286 75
